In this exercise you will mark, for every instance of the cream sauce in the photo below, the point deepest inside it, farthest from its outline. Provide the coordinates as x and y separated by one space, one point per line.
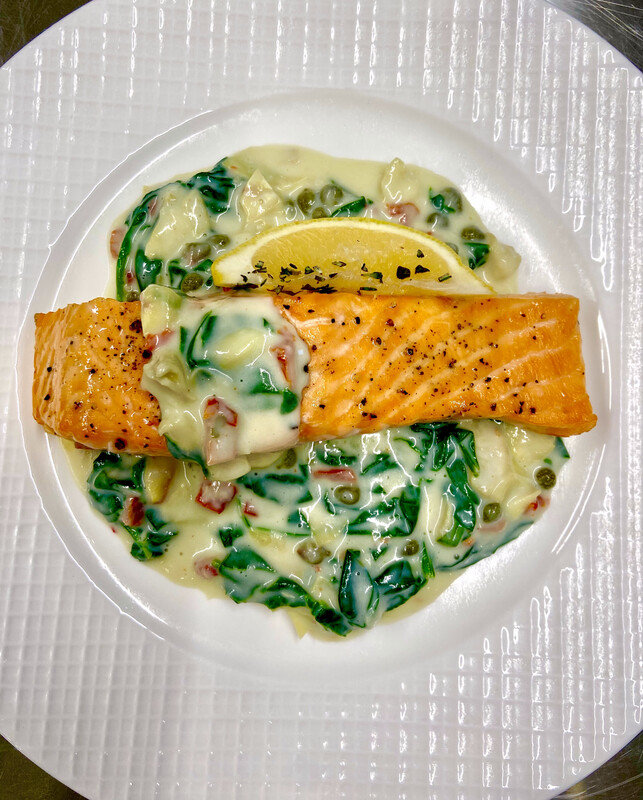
399 193
377 501
182 218
381 497
176 233
228 373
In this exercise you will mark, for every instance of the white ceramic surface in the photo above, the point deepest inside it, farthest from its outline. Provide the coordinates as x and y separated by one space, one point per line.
527 673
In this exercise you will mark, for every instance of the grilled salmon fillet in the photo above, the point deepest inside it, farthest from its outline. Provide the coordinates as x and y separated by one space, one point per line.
375 362
87 371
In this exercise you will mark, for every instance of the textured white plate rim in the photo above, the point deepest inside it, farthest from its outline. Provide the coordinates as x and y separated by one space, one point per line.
593 764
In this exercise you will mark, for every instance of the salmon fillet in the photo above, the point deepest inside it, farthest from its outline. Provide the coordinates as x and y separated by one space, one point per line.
88 366
378 362
375 362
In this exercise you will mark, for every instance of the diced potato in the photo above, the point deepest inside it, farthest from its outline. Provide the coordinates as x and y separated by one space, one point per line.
263 460
494 458
159 305
157 476
528 448
277 542
260 206
520 493
229 470
182 218
240 347
302 622
327 530
168 370
398 183
323 591
502 263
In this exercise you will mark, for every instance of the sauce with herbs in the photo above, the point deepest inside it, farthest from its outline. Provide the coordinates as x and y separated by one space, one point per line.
228 374
177 230
347 529
344 531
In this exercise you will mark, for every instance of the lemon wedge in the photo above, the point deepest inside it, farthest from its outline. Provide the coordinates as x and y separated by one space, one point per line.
347 255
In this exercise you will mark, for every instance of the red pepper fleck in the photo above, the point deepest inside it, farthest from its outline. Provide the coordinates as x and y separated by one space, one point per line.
116 240
158 339
133 513
249 510
215 406
341 475
538 503
215 495
205 569
402 213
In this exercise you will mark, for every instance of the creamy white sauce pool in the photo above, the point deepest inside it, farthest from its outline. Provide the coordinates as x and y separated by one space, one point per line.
228 373
343 531
382 496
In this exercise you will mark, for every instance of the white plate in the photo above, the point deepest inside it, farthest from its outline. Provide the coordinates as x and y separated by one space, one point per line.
248 636
525 675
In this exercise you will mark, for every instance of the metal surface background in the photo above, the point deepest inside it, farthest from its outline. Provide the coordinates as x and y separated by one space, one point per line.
621 24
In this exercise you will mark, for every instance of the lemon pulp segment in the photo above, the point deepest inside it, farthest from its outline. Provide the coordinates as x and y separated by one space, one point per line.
347 255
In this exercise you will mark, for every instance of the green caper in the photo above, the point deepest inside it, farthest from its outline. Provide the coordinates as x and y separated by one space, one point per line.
437 220
472 234
289 459
348 495
491 512
452 198
195 252
130 297
306 200
220 240
331 194
191 282
410 548
546 478
319 213
453 246
312 552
